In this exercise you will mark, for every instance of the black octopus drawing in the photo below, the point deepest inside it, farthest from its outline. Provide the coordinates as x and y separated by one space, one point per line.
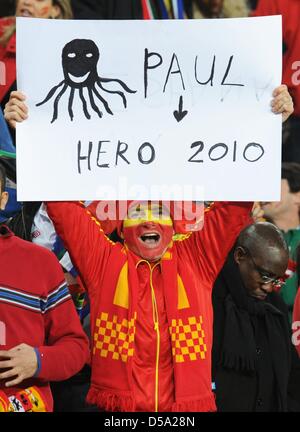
79 62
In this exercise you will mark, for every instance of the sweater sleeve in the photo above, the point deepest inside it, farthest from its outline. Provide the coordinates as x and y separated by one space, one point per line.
222 225
65 350
84 239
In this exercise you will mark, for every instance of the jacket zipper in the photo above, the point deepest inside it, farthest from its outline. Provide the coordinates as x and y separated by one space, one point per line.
156 328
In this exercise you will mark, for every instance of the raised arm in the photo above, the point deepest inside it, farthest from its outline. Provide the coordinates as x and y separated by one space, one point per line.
266 7
84 239
222 224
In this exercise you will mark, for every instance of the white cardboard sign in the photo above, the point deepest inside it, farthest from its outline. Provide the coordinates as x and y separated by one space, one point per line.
176 109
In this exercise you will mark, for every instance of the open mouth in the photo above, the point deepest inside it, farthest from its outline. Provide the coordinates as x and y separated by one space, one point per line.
25 13
78 80
150 239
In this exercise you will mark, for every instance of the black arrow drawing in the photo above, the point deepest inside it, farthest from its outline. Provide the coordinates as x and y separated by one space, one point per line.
179 115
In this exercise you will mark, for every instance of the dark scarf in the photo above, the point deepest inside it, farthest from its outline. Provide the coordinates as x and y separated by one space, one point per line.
234 334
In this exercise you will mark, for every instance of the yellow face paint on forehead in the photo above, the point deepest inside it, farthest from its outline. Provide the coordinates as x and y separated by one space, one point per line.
144 213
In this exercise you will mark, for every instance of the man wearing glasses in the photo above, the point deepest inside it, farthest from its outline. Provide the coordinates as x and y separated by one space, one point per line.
251 348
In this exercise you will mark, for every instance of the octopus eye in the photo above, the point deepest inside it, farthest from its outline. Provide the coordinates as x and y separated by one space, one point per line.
89 55
71 55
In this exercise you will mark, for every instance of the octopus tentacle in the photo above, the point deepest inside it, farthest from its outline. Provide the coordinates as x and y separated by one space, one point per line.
70 105
106 106
55 109
84 105
121 94
50 94
122 84
93 105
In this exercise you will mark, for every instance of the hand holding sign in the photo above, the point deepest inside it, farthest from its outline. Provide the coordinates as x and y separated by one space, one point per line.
16 109
282 102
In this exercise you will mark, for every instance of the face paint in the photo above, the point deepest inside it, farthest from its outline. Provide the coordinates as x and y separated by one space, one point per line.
34 8
142 213
148 231
45 11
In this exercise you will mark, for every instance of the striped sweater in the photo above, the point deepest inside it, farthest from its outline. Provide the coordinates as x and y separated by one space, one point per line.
36 309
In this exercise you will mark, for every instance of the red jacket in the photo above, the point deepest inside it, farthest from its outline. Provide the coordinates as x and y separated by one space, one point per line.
290 11
7 59
36 309
102 266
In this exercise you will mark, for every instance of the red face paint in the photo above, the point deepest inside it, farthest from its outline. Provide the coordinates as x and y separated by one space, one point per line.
33 9
45 11
149 240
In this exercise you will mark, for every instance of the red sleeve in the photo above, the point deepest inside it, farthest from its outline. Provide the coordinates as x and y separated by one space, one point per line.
266 7
222 225
84 239
66 348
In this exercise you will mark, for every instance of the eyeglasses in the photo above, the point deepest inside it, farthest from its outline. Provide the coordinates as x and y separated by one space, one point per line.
264 275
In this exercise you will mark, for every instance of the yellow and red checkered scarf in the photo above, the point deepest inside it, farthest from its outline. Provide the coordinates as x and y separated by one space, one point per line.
114 336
